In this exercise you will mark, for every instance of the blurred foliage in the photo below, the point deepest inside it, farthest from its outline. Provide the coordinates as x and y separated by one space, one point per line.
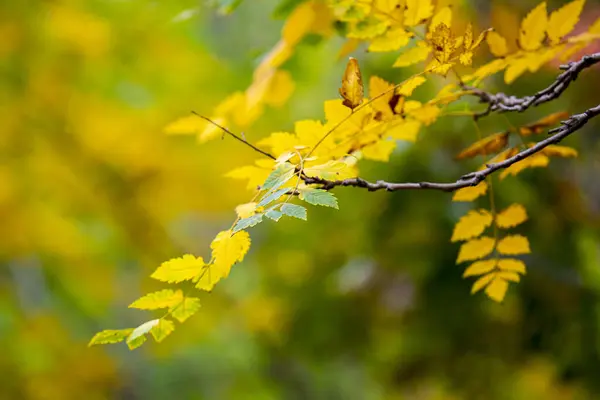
362 303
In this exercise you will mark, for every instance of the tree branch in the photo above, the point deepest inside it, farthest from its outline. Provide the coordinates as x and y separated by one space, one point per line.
574 123
503 103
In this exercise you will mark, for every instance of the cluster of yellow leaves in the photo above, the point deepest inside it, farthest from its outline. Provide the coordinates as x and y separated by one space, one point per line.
542 38
227 249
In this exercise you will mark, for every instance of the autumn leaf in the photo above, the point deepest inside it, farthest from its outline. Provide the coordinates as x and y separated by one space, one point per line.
443 16
471 225
497 288
110 336
352 87
480 268
417 11
188 307
540 125
179 269
535 160
533 28
137 336
511 216
475 249
228 249
482 282
163 329
413 55
470 193
513 245
379 151
512 265
162 299
497 44
563 20
407 88
488 145
394 39
331 170
246 210
559 151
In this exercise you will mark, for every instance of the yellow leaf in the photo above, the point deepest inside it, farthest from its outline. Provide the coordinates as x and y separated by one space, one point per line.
513 244
540 125
496 290
227 250
511 216
563 20
209 277
497 44
179 269
186 309
352 87
509 276
488 145
163 329
427 114
331 170
480 268
348 47
394 39
536 160
279 142
417 11
255 175
246 210
516 67
413 55
475 249
443 16
191 124
407 129
367 28
486 70
280 89
470 193
379 151
162 299
110 336
559 151
298 23
482 282
512 265
410 85
381 88
533 28
471 225
137 336
443 43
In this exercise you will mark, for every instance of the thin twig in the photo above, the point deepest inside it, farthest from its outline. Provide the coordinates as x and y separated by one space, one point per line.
235 136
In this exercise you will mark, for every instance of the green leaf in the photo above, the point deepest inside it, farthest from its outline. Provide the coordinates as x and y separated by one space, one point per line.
279 176
274 215
294 210
137 338
110 336
272 196
248 222
186 309
319 197
162 299
163 329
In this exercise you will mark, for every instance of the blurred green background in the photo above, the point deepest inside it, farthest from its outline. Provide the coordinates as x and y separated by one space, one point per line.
361 303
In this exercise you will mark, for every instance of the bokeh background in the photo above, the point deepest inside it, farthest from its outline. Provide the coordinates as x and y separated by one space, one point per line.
361 303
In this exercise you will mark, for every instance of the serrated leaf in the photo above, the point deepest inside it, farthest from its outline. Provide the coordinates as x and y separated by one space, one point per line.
511 216
443 16
163 329
563 20
188 307
246 210
533 161
513 245
272 196
407 88
512 265
379 151
417 11
471 225
394 39
110 336
475 249
318 197
280 175
134 339
497 44
352 89
533 28
482 282
161 299
248 222
209 277
559 151
488 145
179 269
480 268
293 210
470 193
497 288
227 250
274 215
331 170
412 56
